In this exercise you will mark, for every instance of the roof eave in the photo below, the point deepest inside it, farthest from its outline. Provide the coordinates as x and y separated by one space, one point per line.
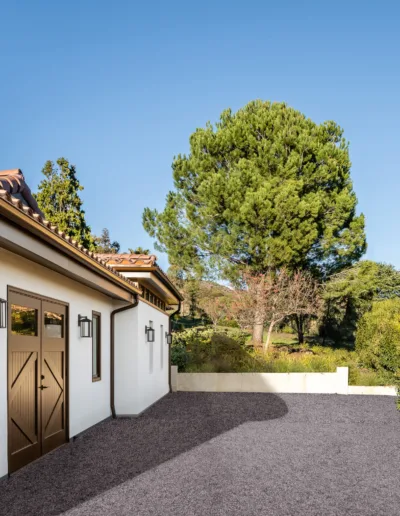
158 272
26 218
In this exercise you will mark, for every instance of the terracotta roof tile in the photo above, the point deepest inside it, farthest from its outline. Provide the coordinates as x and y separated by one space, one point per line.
140 261
13 182
136 260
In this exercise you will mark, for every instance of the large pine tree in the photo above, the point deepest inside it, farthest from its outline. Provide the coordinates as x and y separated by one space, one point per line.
58 198
264 188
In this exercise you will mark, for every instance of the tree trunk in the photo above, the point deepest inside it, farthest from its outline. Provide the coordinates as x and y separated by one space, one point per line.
258 329
271 327
325 321
258 326
300 330
299 327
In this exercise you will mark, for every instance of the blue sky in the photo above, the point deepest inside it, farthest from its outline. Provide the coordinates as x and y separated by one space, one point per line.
118 87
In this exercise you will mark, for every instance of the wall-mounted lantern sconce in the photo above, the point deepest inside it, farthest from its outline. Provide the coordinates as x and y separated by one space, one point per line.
86 326
3 313
149 331
168 336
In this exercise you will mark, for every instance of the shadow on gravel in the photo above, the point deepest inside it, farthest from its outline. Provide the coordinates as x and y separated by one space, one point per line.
118 450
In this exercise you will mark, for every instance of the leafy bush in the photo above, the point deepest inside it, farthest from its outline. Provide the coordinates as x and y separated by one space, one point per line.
179 355
351 293
204 334
206 349
287 329
229 323
378 336
367 377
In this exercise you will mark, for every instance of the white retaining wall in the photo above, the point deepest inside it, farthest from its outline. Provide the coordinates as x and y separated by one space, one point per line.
307 383
378 390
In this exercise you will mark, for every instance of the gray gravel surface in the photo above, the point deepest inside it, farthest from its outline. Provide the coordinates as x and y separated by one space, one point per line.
224 454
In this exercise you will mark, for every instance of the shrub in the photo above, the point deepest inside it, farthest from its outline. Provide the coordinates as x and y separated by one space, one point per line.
211 350
202 334
205 349
229 323
287 329
378 336
179 356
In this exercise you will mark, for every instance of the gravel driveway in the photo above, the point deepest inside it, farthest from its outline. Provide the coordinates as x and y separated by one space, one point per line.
224 454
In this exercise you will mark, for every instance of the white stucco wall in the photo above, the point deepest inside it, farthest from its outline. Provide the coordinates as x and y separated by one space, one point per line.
3 383
141 367
152 358
126 361
89 402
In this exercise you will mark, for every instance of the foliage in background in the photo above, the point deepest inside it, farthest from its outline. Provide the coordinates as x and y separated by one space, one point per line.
58 198
229 323
378 336
224 350
208 349
104 245
215 302
189 287
193 336
272 297
350 294
139 250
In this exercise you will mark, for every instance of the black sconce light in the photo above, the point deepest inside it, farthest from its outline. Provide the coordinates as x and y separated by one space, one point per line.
86 326
168 336
149 331
3 313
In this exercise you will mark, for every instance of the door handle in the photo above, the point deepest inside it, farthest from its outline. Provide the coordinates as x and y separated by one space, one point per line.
43 387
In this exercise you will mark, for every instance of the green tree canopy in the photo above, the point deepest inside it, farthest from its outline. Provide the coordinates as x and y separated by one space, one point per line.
364 282
139 250
265 187
350 293
378 336
104 245
58 198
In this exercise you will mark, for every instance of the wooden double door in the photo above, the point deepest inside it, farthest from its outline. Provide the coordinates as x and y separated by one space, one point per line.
37 346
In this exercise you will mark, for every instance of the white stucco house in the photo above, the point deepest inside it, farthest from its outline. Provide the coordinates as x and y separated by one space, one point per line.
83 337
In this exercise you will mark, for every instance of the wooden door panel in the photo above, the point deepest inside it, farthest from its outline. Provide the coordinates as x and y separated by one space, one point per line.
53 376
23 399
23 380
53 395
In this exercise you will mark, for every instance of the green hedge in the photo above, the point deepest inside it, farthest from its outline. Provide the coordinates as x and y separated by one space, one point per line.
213 350
204 349
378 336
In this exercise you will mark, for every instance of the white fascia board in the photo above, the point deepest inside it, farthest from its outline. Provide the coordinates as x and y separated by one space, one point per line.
150 278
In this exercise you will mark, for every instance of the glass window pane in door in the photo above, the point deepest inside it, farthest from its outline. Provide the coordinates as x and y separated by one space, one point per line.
53 325
24 320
